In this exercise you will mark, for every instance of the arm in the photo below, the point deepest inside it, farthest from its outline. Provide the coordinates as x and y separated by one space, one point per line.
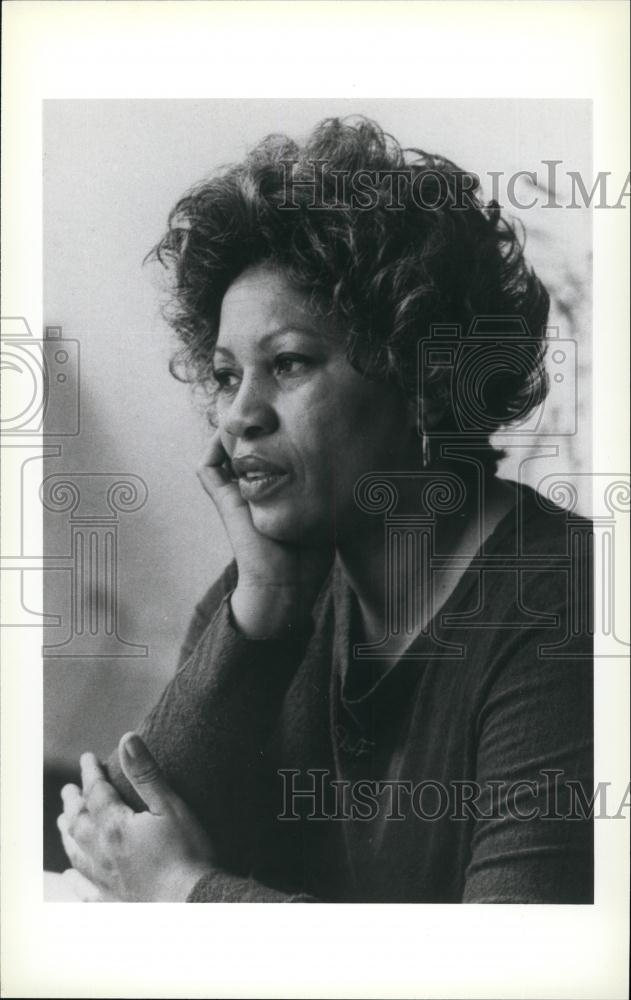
220 887
536 719
159 855
208 732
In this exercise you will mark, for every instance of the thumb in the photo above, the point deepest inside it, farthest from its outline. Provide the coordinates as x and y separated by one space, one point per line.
142 771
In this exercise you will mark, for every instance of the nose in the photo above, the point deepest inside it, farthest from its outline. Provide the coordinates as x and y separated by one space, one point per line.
250 413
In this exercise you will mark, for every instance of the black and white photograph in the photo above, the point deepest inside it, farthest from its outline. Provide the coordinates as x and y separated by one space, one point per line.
384 693
323 559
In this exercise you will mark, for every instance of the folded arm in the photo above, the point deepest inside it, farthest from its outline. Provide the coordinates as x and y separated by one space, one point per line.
531 843
206 740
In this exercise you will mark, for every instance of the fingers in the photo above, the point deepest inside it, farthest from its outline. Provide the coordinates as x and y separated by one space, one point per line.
81 887
218 484
69 845
75 855
74 825
69 824
217 454
215 472
98 793
221 487
91 771
73 802
90 828
85 813
143 772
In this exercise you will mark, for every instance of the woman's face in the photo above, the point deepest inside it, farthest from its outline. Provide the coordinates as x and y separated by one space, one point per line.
298 422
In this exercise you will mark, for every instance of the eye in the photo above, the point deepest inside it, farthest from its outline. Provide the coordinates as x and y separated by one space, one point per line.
226 378
291 364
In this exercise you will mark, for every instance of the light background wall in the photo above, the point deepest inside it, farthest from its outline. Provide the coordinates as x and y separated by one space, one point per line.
112 170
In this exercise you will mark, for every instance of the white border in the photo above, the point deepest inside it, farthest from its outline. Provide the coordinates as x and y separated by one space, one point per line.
199 49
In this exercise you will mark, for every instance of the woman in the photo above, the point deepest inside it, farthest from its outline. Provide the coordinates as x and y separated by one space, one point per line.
364 710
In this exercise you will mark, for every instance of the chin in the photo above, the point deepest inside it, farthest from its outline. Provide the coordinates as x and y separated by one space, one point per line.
290 527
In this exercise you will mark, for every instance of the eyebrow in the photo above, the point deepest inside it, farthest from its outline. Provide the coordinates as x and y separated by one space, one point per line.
265 339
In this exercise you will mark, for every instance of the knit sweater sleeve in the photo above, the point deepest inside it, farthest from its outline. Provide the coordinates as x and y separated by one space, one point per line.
208 733
533 838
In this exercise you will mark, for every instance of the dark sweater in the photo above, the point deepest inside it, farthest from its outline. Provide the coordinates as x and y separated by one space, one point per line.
426 753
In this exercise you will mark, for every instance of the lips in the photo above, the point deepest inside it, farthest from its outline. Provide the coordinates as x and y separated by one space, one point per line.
257 477
255 465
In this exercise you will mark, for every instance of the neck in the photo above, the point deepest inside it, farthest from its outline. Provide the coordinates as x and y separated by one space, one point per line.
362 559
362 555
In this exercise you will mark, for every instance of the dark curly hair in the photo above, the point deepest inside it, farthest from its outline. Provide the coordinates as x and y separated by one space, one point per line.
388 268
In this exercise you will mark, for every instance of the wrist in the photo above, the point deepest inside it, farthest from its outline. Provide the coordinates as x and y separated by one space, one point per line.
270 612
180 882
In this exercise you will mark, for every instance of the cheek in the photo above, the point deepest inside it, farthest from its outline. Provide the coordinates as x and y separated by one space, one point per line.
352 444
338 435
312 430
377 430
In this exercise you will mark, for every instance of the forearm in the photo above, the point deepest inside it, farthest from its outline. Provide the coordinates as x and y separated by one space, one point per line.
281 614
221 887
210 729
533 843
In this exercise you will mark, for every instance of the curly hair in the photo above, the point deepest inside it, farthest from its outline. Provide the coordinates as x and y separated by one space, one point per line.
389 269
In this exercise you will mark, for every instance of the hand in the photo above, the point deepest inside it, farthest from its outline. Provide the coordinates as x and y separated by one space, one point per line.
278 583
120 855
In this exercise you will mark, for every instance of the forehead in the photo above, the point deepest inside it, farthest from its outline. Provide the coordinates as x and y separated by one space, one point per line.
260 301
